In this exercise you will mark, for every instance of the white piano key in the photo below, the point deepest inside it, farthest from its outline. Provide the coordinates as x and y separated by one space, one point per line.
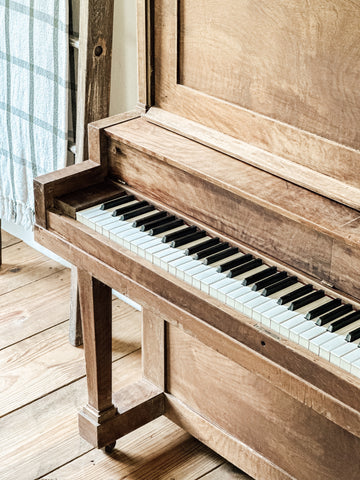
355 368
140 244
189 274
258 310
206 282
284 317
224 282
306 337
232 296
143 247
241 300
277 317
128 239
198 277
337 353
253 303
316 342
286 327
327 347
158 255
348 359
175 263
268 315
181 269
174 255
296 331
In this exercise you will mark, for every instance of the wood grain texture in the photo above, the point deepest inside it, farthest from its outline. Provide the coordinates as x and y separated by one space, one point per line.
226 472
52 436
61 182
43 363
94 69
293 436
96 316
157 451
35 306
153 348
18 269
324 380
301 175
302 130
220 441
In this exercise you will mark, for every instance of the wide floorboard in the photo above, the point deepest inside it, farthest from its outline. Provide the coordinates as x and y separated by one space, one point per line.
42 386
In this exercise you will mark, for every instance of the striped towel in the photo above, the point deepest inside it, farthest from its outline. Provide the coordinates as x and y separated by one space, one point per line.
33 100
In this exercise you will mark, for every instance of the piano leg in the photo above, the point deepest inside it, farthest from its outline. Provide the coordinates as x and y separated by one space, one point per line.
95 304
108 415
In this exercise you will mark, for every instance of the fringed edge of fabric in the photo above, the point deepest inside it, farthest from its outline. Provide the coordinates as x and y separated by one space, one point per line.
17 212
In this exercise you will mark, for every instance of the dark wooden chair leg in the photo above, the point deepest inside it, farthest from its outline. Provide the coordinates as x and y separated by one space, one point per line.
95 304
75 329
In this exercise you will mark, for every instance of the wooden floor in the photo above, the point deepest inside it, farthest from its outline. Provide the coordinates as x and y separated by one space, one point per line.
42 386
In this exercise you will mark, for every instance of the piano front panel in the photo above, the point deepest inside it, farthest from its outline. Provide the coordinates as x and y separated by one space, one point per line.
249 408
273 84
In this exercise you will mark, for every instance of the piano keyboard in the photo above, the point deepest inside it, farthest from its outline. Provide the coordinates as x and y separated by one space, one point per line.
295 310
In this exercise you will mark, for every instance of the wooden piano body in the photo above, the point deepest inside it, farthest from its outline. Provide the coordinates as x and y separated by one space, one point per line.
253 135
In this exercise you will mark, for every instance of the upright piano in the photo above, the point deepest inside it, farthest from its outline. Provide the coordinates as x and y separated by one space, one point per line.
227 205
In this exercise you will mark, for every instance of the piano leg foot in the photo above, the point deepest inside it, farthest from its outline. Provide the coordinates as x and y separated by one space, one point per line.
109 448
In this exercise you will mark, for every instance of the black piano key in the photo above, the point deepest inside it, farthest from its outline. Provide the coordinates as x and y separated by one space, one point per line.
353 335
316 312
129 208
137 213
220 255
188 239
219 247
234 263
333 315
150 218
173 236
165 227
278 286
157 223
268 281
246 267
117 201
344 322
289 297
259 276
302 302
202 246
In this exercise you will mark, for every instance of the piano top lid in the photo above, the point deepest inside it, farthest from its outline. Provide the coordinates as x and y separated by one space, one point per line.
278 76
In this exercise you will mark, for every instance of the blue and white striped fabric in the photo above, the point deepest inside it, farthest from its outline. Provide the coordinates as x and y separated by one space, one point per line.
33 100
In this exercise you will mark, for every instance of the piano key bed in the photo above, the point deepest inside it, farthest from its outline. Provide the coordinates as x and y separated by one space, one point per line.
277 300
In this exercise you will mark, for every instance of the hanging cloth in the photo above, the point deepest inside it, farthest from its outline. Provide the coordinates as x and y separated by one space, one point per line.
34 89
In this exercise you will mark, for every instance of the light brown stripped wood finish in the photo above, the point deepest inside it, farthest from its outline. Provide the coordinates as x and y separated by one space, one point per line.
207 357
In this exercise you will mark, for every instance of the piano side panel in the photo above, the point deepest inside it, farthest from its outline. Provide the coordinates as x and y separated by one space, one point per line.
281 429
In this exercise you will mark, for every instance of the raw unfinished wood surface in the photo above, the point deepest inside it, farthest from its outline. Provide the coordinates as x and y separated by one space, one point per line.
42 386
